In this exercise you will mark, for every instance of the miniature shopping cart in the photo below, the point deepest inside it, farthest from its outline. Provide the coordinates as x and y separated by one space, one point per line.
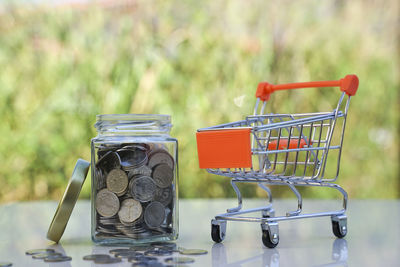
279 149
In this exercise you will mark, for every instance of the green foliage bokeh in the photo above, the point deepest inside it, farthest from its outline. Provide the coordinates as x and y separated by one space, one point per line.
199 61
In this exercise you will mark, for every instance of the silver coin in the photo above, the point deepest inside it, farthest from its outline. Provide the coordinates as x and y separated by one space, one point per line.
100 179
107 260
119 250
163 195
142 258
154 214
127 254
93 257
130 210
117 181
178 260
142 188
163 175
45 255
158 252
5 264
132 158
57 258
185 251
160 156
109 161
140 171
39 251
107 203
164 245
141 247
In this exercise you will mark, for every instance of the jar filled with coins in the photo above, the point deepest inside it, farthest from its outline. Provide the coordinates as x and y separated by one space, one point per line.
134 179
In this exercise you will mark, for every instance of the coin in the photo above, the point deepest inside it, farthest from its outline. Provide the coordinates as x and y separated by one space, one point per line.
39 251
57 258
142 258
107 260
178 260
163 195
109 161
107 203
162 175
45 255
141 171
154 214
142 188
159 156
117 181
93 257
130 210
164 245
158 252
119 250
100 178
132 158
193 251
5 264
141 247
127 254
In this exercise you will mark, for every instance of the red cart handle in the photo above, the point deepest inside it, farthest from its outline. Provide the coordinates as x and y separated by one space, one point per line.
348 84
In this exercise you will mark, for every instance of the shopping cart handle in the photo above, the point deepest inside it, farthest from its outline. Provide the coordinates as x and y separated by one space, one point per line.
349 85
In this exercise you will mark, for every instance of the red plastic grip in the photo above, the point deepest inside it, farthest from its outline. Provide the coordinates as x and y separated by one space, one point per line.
349 85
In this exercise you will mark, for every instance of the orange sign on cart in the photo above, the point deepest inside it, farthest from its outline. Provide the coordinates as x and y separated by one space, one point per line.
225 148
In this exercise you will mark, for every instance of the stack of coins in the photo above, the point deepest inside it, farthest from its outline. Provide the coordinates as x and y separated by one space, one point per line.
135 190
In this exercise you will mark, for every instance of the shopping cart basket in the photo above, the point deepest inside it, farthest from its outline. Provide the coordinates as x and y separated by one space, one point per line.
278 149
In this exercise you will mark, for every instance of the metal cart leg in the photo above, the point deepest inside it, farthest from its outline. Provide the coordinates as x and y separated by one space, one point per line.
299 201
239 197
268 212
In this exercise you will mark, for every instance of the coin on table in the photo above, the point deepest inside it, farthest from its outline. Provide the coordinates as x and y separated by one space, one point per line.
160 156
39 251
142 188
141 247
109 161
45 255
93 257
154 214
179 260
130 210
164 245
107 203
142 170
163 175
57 258
193 251
107 260
158 252
117 181
142 258
163 195
5 264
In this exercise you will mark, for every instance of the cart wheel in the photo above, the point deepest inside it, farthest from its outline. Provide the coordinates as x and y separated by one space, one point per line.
339 226
270 234
267 241
218 230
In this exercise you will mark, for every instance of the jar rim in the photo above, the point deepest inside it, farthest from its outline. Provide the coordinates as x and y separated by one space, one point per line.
128 117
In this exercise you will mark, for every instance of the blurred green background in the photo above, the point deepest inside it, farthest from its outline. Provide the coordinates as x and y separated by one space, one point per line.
200 61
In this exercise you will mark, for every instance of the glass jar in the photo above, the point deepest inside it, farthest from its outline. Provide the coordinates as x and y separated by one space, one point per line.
134 179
